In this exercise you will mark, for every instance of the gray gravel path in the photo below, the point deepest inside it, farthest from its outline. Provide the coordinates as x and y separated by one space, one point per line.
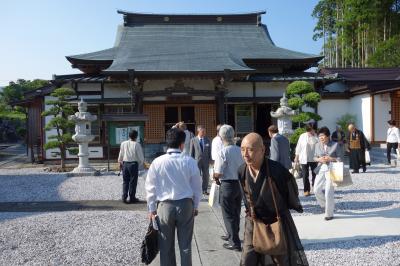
71 238
383 251
33 184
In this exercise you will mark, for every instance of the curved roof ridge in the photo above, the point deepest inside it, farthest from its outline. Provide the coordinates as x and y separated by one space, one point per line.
124 12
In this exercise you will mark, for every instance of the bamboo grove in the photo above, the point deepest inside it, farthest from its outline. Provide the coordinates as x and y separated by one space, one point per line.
358 33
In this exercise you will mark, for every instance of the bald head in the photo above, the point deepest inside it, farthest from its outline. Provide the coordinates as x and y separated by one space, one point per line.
253 150
253 140
351 127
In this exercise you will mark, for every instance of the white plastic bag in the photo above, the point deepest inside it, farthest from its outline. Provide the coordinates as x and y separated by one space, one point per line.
336 172
213 199
367 157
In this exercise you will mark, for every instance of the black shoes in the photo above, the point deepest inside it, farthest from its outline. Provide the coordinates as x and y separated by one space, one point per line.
354 172
124 200
328 218
206 193
134 200
225 238
230 247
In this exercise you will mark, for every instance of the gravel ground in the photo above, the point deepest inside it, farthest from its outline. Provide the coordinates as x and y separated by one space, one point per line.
376 190
73 238
37 185
383 251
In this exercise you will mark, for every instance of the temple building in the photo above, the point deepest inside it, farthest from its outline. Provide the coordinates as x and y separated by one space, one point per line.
164 68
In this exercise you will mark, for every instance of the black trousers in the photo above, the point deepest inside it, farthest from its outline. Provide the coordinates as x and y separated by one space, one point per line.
231 200
305 170
389 147
130 172
357 160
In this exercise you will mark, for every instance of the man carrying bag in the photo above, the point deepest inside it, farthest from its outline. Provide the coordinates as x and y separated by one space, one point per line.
268 194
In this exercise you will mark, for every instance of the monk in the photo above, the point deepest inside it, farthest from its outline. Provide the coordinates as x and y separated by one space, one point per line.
256 170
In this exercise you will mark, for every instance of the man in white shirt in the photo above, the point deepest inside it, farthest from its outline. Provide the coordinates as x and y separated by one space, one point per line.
173 192
392 140
188 136
130 157
216 145
305 149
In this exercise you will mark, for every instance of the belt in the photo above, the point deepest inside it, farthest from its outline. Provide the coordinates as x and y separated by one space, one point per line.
229 180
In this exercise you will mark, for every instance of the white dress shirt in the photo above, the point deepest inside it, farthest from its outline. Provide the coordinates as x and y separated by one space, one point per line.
393 135
216 147
305 147
131 151
173 176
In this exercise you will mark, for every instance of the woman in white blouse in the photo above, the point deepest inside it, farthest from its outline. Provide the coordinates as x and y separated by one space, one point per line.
393 139
305 156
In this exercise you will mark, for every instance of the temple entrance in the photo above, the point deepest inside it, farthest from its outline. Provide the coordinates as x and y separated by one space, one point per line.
174 114
264 119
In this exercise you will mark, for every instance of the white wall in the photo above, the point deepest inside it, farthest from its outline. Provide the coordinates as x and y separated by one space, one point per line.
330 110
89 87
116 90
382 107
270 89
360 106
240 89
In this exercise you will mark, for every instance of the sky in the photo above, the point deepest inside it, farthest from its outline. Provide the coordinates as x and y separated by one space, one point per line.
36 35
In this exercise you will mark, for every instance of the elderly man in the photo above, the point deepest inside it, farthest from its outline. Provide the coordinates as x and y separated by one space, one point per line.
173 188
357 144
188 136
280 147
200 150
254 175
226 172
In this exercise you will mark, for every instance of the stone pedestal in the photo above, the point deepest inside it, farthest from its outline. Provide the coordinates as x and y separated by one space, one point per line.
83 136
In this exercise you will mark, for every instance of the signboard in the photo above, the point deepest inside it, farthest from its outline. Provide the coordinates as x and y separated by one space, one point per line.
119 132
244 118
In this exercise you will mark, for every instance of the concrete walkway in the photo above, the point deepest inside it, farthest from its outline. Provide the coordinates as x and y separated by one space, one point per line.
207 246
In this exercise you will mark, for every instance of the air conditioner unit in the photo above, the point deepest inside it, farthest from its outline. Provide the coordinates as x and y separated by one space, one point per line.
385 97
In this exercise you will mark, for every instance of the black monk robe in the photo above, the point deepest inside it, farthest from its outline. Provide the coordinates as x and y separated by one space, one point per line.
287 199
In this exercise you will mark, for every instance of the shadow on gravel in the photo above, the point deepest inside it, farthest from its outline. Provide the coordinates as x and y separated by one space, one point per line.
350 242
366 191
392 213
363 205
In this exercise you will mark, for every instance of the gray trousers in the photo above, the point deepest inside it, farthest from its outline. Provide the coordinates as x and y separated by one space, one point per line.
175 214
204 167
231 200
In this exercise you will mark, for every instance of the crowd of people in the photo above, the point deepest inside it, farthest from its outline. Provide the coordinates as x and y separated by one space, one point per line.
177 180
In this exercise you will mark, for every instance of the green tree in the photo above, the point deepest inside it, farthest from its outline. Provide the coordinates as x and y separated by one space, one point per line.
301 94
387 53
60 110
15 90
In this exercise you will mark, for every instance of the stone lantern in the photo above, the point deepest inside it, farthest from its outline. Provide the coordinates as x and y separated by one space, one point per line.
284 115
83 136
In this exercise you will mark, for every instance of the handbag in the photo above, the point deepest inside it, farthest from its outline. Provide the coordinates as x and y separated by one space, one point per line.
296 170
149 248
213 198
268 238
